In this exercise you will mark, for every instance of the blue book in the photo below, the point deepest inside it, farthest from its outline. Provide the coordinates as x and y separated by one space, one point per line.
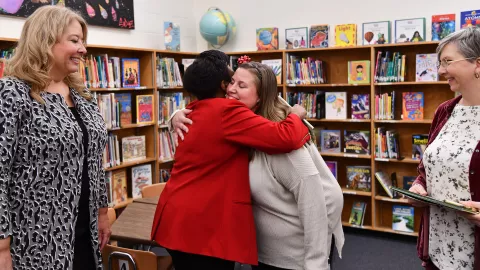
469 18
403 218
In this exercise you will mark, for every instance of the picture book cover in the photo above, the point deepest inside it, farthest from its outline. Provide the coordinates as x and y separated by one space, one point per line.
357 141
133 148
165 175
359 72
267 39
336 105
376 33
469 18
359 178
402 218
385 182
330 141
412 105
442 26
276 65
426 67
358 213
141 177
332 165
119 184
144 109
361 106
319 36
296 38
345 35
130 72
419 144
108 185
125 102
171 36
410 30
408 181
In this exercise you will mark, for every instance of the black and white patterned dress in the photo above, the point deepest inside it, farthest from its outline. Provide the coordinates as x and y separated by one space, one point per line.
41 161
447 161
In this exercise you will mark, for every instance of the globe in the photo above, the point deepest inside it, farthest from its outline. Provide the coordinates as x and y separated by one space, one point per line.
217 27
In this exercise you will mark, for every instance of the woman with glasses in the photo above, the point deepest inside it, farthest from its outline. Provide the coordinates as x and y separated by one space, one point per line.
450 168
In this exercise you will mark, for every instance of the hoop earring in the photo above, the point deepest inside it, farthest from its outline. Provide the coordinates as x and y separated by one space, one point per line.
477 75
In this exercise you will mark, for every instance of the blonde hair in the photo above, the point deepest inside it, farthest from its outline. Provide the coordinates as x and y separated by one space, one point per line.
33 58
269 105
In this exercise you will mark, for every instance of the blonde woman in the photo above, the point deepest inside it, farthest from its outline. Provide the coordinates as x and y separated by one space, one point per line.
53 204
297 202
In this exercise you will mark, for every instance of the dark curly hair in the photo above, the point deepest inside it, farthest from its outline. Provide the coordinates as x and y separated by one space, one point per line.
207 74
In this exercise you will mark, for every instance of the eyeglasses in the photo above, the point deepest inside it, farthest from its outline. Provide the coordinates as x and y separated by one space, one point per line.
445 63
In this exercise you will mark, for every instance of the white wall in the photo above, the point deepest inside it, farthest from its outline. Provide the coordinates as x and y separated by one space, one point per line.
148 32
252 14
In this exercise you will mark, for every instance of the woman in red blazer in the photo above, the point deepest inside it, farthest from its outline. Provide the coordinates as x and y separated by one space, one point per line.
204 216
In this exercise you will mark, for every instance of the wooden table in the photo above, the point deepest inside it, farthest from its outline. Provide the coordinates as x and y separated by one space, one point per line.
151 200
135 224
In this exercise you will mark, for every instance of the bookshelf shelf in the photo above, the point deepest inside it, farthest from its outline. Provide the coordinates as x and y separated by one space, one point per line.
119 89
388 230
162 126
130 164
345 155
170 88
327 85
425 121
131 126
346 224
347 191
412 83
340 120
388 199
164 161
405 160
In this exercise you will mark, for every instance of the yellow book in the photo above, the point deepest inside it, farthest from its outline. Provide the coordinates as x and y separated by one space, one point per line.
345 35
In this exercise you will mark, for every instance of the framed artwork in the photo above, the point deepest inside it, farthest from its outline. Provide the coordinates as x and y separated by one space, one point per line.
109 13
376 33
172 36
410 30
296 38
24 8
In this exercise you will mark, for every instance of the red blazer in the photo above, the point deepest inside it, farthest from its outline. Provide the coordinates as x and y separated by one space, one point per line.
205 207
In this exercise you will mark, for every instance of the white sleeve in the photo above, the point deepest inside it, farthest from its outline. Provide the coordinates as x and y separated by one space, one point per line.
298 173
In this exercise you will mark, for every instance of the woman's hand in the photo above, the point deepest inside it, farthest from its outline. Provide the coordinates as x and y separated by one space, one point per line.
475 219
104 231
418 189
179 122
5 256
299 110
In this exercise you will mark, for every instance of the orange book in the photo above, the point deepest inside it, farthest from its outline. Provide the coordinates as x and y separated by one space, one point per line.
412 106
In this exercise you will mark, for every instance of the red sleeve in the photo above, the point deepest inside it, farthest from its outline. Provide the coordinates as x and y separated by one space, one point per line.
241 125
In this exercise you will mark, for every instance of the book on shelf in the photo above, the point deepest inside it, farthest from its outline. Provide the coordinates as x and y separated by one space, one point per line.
442 26
345 35
111 153
408 181
166 145
357 214
130 72
141 177
385 106
387 144
469 18
319 36
119 186
276 66
296 38
330 141
376 33
145 109
359 72
169 103
360 106
305 70
109 108
171 36
426 67
332 165
108 185
359 178
357 141
133 148
389 67
5 54
165 175
168 73
125 102
410 30
385 182
267 38
403 218
419 144
186 62
336 105
101 71
313 103
412 106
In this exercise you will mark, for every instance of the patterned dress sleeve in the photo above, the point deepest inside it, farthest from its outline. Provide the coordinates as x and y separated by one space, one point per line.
11 104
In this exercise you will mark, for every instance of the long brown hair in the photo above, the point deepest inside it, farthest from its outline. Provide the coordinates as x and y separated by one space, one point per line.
269 105
33 58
